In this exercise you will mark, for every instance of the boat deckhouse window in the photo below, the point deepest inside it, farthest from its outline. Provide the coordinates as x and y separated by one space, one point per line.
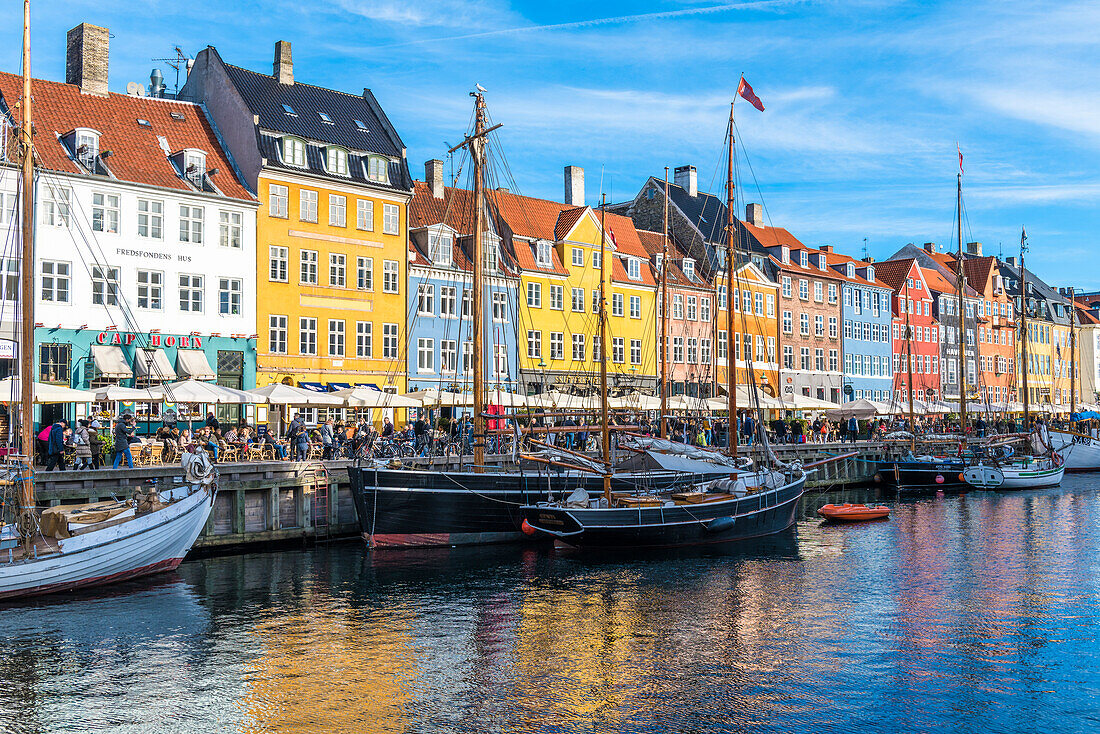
194 166
86 145
336 161
294 152
378 169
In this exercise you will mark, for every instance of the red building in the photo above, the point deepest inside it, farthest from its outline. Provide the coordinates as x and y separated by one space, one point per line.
916 332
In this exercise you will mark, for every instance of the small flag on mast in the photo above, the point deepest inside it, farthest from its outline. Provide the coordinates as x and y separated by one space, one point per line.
744 89
960 158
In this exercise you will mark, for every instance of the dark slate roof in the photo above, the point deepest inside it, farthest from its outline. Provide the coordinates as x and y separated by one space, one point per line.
706 211
399 176
265 97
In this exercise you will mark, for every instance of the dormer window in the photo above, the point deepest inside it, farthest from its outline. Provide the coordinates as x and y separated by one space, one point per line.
86 146
822 262
870 273
194 166
850 270
336 161
378 169
440 247
659 261
490 245
804 258
633 268
785 255
543 255
689 268
294 152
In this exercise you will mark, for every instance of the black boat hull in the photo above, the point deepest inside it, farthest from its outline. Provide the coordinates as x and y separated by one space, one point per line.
920 476
707 523
400 508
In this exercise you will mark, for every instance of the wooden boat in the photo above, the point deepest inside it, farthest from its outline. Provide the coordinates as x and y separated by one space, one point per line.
853 512
751 505
1081 452
1025 472
62 549
922 473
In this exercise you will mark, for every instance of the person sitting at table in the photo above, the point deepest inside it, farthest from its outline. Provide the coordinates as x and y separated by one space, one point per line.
230 436
209 441
186 439
269 439
169 438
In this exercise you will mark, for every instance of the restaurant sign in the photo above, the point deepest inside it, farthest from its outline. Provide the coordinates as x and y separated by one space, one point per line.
123 338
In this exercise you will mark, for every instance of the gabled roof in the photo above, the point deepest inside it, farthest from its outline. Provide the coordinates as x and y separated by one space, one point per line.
136 154
265 97
894 272
567 220
706 211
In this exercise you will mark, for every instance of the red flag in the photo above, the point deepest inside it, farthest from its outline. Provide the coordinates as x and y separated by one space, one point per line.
960 157
745 90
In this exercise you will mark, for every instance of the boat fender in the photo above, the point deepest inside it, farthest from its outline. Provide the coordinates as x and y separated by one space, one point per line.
527 528
719 525
939 478
878 477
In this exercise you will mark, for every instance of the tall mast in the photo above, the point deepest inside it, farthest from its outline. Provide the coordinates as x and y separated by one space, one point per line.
731 371
961 287
663 356
909 368
477 148
605 429
1023 326
26 336
1072 355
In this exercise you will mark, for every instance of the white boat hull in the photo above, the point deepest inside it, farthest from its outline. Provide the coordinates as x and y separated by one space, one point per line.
144 545
1014 477
1080 452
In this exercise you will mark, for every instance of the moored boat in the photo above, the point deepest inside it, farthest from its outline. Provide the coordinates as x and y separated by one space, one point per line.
921 473
1081 452
849 512
1021 473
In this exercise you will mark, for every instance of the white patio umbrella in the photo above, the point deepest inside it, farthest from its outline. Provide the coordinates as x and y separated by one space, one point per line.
193 391
44 392
118 393
688 402
367 397
805 402
506 399
562 401
635 401
861 409
280 394
745 401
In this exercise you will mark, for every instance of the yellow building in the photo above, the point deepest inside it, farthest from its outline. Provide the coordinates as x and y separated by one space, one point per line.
755 328
332 245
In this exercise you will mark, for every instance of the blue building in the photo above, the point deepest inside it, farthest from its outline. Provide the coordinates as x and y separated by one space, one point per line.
439 306
867 342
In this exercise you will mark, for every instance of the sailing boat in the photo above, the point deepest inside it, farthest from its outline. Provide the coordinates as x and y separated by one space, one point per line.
918 473
402 508
71 547
745 504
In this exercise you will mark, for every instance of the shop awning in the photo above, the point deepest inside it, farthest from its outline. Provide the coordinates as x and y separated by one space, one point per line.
154 364
110 361
192 364
315 386
334 386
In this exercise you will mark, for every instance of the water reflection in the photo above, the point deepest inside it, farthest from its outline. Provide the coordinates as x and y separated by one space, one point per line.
967 612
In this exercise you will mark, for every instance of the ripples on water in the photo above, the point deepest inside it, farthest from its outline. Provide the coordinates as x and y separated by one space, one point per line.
972 613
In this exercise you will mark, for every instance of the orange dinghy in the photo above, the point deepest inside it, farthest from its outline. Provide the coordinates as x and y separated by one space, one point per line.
853 513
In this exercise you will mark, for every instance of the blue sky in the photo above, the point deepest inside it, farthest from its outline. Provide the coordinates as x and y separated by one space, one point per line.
865 100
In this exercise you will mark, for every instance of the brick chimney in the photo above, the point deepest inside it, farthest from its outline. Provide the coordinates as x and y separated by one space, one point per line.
433 175
929 246
283 67
974 248
826 248
687 179
574 186
754 215
86 58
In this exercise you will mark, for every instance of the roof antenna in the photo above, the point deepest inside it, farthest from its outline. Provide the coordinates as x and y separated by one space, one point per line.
865 253
180 60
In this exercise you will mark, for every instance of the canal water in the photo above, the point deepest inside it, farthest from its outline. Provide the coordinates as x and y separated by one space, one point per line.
976 613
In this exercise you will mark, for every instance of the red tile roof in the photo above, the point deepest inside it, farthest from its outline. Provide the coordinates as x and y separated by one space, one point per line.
567 219
136 154
653 243
894 272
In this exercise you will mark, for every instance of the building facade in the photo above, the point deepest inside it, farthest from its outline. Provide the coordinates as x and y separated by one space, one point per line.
915 333
334 185
144 232
867 320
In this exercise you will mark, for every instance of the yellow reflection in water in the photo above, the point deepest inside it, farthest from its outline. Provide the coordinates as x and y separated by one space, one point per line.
321 671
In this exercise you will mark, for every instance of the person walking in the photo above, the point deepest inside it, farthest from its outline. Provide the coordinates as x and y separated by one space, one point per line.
82 445
853 428
122 434
298 438
55 447
328 439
